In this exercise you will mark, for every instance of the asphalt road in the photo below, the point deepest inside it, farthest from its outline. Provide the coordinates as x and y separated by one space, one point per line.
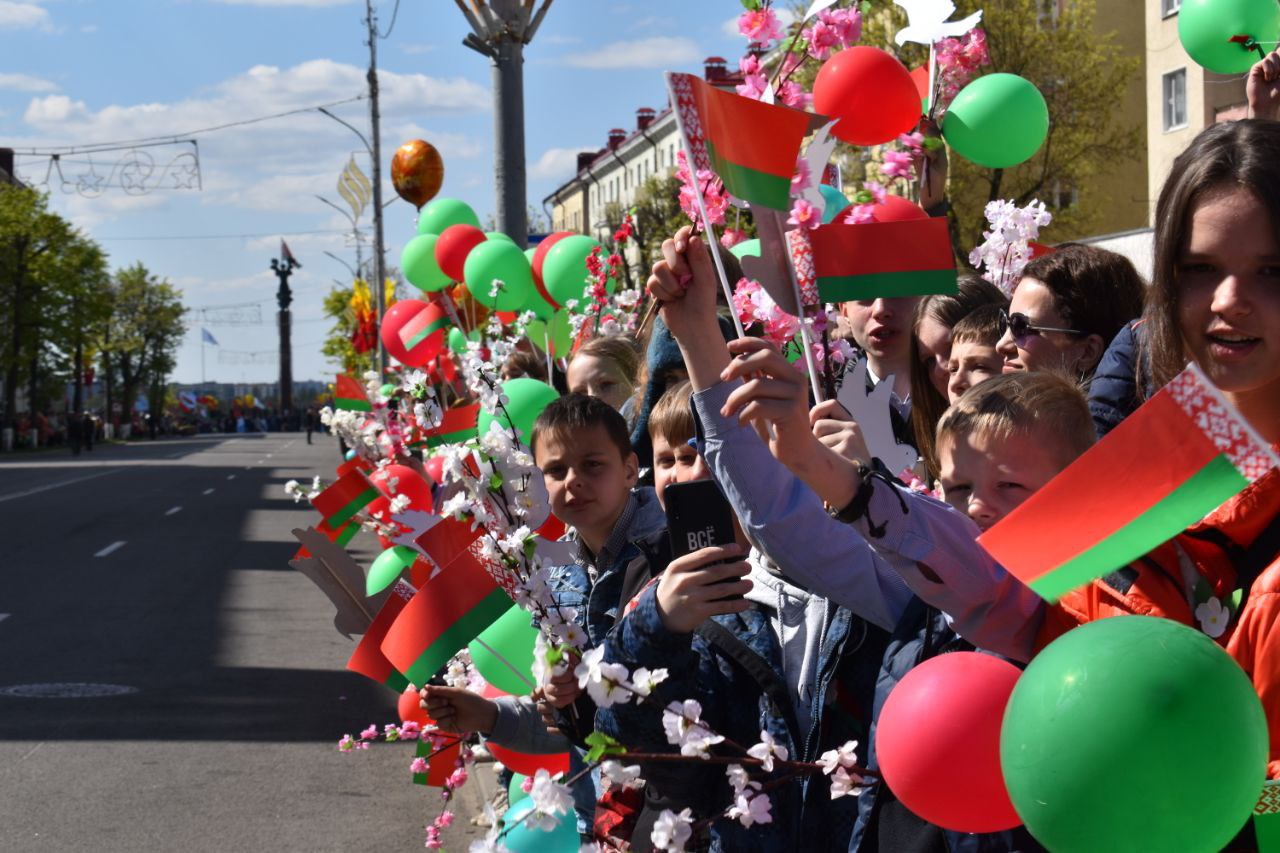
161 568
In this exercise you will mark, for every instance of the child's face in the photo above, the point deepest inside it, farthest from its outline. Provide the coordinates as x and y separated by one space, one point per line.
933 343
970 363
675 463
1229 294
600 378
882 327
987 478
587 479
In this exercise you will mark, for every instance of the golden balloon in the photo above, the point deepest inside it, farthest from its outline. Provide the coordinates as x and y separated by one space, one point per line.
417 172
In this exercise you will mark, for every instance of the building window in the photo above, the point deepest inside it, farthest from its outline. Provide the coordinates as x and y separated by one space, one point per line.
1063 195
1170 7
1175 99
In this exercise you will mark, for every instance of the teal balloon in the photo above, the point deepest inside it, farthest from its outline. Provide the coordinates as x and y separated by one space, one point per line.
1205 28
521 837
836 202
440 213
457 340
499 260
526 398
498 235
558 332
387 567
1104 725
997 121
351 454
746 249
515 793
418 261
564 269
507 663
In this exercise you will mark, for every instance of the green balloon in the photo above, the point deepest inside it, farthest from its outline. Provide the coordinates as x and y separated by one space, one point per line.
418 261
387 567
997 121
746 249
559 330
515 793
1205 28
387 389
835 202
1134 733
520 836
457 340
507 643
498 235
529 252
564 269
440 213
498 260
526 398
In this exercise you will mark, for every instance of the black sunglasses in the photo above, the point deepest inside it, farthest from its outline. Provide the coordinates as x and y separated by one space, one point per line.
1020 327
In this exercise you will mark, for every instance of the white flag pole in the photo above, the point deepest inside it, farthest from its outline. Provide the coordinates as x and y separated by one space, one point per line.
810 362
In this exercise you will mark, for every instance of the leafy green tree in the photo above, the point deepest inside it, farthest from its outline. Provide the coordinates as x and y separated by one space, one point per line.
144 333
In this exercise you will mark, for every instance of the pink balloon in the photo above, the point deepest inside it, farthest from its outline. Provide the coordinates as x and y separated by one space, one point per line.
938 741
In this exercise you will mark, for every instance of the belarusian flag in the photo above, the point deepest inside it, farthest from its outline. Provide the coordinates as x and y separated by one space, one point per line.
340 536
1165 467
349 394
431 320
444 541
910 257
368 658
440 765
457 425
449 611
751 145
349 494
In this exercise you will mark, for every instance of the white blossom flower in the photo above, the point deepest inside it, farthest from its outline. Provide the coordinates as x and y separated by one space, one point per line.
750 806
399 504
604 682
844 755
845 784
614 775
457 506
643 680
767 750
738 777
672 831
491 843
549 798
684 728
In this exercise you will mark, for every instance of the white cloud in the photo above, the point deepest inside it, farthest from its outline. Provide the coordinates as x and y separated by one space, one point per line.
26 83
23 16
555 38
313 3
417 49
655 52
557 163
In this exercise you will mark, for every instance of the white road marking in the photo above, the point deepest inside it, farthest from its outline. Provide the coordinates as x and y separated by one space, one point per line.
208 491
57 485
110 549
173 510
231 476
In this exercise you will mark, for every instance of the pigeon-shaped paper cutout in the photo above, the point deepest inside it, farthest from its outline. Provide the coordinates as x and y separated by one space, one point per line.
871 412
340 578
817 155
927 22
412 524
817 6
770 266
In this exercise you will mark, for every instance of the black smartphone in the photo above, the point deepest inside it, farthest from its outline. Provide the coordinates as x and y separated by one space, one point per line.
698 516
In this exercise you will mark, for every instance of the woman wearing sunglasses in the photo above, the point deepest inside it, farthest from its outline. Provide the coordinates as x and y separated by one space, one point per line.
1066 309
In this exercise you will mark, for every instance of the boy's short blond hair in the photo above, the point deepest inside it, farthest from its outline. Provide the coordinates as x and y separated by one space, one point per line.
672 417
1040 403
983 326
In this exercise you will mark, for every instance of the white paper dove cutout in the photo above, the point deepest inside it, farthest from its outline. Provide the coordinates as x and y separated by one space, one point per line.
340 578
871 411
413 523
817 6
817 156
927 22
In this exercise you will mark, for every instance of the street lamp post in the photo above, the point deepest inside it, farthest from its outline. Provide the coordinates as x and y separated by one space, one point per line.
283 268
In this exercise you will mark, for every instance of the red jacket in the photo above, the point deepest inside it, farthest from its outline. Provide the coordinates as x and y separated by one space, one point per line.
1154 586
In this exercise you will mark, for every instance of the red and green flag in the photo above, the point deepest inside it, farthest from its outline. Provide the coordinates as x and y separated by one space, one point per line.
440 763
449 611
751 145
431 320
349 494
368 659
1165 467
339 536
910 257
457 425
445 541
349 394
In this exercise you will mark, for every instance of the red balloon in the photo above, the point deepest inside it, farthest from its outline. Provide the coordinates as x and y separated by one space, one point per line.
540 255
422 324
529 763
435 467
410 709
453 245
870 92
408 482
895 209
938 741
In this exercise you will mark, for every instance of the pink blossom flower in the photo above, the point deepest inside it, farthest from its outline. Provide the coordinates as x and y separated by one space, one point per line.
418 765
846 23
433 841
409 730
445 820
370 733
897 164
801 180
793 95
860 214
913 140
527 784
804 215
822 39
457 778
754 82
791 62
732 237
760 26
877 190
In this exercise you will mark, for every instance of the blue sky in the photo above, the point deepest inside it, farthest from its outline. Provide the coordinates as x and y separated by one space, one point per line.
90 71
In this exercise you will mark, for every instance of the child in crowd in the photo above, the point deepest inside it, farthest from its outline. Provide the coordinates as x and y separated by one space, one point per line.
974 356
758 654
607 367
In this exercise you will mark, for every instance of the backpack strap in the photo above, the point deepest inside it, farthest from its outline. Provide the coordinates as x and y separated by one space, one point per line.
755 666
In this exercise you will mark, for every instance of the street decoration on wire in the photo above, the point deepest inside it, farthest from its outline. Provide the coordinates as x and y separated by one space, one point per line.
90 171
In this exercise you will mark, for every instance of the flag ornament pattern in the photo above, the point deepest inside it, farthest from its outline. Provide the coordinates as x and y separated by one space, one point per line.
350 395
751 145
457 425
801 249
349 494
882 259
1176 459
368 659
